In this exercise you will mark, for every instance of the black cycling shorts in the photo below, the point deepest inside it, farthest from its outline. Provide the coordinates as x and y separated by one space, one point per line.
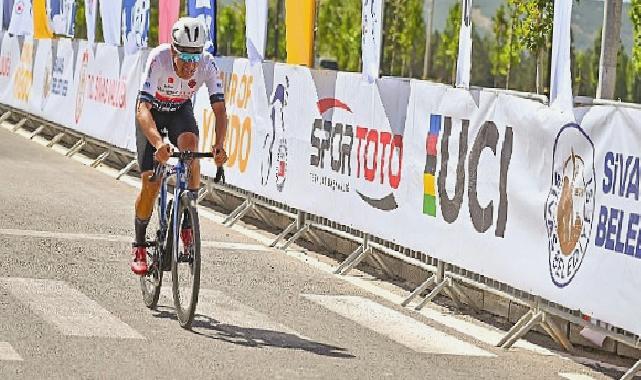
176 122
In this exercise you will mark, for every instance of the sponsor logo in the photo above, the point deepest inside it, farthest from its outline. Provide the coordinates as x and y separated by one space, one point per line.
276 137
19 7
46 84
618 230
5 66
82 85
192 83
434 186
379 154
569 208
109 91
60 84
170 80
24 75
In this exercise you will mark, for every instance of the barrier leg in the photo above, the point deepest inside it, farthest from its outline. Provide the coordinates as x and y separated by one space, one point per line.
5 116
37 132
55 139
20 124
437 289
520 323
537 317
125 170
240 211
556 333
76 148
420 289
295 237
100 159
355 257
286 231
633 371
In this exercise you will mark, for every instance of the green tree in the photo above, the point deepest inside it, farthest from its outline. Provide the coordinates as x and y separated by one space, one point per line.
276 27
635 16
447 50
507 49
339 32
534 30
231 30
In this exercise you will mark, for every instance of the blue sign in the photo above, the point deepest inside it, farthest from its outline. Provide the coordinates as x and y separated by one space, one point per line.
206 11
135 24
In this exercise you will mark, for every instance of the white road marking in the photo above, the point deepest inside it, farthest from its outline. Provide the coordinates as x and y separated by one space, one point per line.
229 246
8 353
69 310
226 310
477 330
397 326
575 376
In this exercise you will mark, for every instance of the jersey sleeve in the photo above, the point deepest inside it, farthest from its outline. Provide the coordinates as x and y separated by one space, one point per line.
213 82
150 78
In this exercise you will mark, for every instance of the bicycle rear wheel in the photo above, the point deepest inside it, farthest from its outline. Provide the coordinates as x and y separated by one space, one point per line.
185 271
151 282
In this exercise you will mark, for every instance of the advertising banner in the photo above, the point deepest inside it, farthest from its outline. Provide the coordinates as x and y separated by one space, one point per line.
124 133
60 99
63 16
256 29
167 15
135 25
205 10
84 59
41 27
9 61
111 14
105 94
21 23
464 58
23 76
42 78
91 10
371 38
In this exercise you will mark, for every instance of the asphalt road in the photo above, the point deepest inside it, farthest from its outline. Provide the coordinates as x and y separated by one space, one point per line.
71 308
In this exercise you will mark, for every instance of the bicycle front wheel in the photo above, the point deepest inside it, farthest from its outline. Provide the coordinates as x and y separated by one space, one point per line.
151 282
185 270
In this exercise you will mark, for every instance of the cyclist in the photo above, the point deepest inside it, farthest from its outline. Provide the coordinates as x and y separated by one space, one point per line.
173 74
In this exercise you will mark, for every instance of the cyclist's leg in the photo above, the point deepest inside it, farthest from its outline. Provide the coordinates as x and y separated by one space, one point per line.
183 133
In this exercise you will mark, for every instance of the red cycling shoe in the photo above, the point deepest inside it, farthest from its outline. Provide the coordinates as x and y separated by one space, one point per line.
139 264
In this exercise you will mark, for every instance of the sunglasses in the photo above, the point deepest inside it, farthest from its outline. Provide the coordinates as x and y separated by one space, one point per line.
189 57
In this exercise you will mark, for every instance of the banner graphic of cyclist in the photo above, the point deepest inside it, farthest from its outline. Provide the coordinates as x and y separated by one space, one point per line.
135 24
206 11
62 14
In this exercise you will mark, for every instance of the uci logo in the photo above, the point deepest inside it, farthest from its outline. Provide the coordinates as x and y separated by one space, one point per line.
569 208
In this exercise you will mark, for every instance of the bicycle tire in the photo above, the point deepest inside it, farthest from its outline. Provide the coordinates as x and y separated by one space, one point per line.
151 283
185 312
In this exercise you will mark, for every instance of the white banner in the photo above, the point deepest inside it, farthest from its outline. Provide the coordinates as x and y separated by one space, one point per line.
105 94
42 79
9 61
464 60
371 40
84 60
124 133
21 18
60 100
111 13
256 29
2 5
62 14
561 75
23 76
135 25
91 10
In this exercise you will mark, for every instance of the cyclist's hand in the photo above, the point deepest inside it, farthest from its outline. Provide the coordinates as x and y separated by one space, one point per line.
163 153
220 156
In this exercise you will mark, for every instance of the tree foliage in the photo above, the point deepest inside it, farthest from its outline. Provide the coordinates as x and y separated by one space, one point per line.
339 32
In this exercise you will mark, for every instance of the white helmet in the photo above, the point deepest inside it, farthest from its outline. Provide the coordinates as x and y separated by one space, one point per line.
188 32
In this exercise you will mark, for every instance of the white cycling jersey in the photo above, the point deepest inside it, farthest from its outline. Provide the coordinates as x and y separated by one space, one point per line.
162 88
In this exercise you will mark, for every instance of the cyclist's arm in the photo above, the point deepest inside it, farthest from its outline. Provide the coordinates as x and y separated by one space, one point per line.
147 124
221 123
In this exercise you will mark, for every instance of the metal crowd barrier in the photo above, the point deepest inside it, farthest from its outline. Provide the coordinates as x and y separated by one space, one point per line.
445 278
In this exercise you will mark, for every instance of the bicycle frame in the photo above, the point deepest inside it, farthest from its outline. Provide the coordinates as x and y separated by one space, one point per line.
180 170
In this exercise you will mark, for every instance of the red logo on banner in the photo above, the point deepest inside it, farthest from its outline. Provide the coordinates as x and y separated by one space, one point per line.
19 7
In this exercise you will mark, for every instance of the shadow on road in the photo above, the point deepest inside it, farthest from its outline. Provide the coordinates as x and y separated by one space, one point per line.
254 337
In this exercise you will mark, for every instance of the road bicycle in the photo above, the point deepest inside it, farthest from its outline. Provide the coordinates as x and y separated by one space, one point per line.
172 249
